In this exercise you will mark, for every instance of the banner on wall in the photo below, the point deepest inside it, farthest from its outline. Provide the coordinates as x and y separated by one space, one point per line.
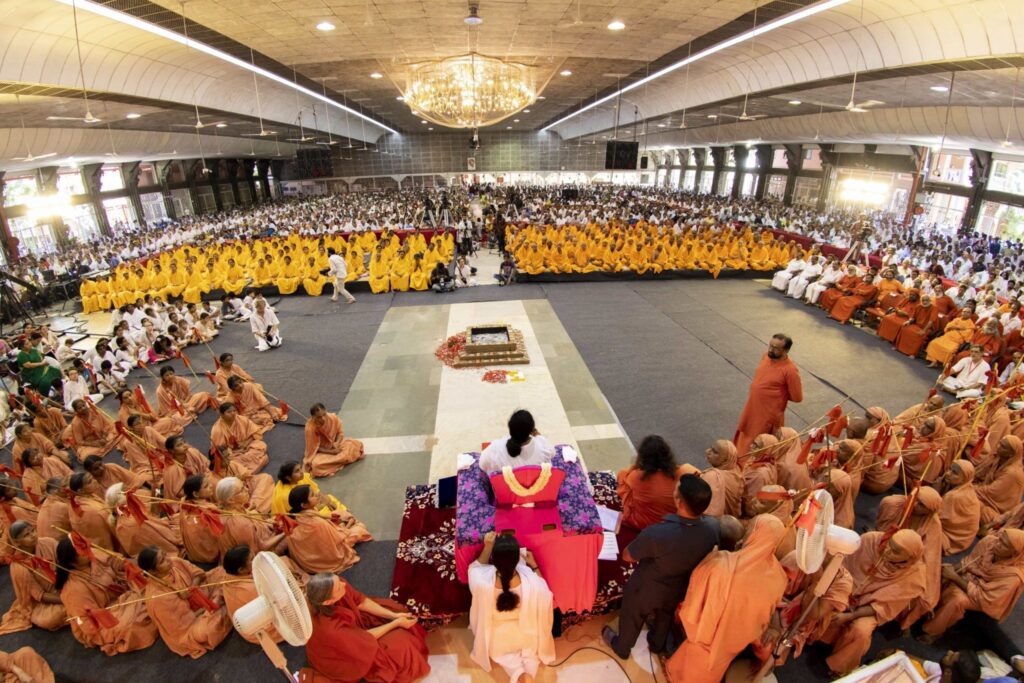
471 164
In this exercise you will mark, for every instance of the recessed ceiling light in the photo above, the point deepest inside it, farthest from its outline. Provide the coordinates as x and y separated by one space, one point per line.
565 72
795 102
712 116
132 115
400 98
222 125
376 74
422 121
527 111
661 125
430 129
508 127
1006 143
616 26
939 88
325 26
515 120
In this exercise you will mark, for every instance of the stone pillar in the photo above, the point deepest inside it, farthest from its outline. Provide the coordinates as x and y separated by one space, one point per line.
700 157
739 159
277 168
194 176
46 181
684 160
248 170
794 162
718 162
263 171
163 171
232 167
91 177
764 167
130 178
981 167
829 171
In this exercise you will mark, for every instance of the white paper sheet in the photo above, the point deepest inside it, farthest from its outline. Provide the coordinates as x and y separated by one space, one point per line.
610 547
609 518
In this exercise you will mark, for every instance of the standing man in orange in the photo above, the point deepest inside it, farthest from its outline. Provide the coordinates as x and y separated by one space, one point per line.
776 382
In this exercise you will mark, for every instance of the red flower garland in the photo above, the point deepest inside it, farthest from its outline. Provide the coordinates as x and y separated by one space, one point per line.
450 349
496 376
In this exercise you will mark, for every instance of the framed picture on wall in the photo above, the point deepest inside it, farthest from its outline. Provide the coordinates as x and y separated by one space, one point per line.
471 163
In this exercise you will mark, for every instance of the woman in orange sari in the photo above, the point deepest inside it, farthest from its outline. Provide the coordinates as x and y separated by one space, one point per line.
327 449
171 425
318 544
240 439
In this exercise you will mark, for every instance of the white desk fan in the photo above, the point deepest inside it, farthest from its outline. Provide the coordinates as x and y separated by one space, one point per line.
280 604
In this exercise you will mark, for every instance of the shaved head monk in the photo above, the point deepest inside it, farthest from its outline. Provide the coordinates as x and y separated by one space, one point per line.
776 382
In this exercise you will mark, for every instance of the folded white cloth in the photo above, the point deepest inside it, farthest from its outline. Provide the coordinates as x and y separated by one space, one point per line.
464 460
569 454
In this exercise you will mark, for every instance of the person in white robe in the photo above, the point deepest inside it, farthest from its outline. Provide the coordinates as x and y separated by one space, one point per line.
265 327
832 274
781 279
967 378
523 446
511 614
811 273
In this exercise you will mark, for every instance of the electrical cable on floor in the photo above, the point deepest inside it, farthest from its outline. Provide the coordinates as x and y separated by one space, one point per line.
607 654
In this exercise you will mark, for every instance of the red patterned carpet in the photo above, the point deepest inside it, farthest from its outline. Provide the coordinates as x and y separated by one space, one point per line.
425 579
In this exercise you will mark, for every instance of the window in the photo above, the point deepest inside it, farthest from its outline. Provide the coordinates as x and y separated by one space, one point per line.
1002 221
110 179
688 180
32 238
673 178
776 186
779 159
952 168
1007 176
182 203
80 221
725 184
805 191
120 214
147 175
751 160
70 183
19 190
153 208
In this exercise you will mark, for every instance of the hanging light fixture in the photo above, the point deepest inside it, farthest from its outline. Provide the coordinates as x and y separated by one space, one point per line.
469 91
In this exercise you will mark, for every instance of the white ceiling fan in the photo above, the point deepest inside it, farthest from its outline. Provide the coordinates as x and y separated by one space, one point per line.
198 124
852 105
578 21
259 107
29 157
302 133
88 118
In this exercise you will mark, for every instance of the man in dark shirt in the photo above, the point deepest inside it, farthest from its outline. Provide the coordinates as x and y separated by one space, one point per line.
667 553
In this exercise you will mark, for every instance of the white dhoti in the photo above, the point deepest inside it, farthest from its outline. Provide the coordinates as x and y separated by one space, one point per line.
782 278
814 291
797 287
958 387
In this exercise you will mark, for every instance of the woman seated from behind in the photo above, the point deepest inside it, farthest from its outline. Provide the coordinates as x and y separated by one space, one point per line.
356 638
291 475
646 487
511 613
523 446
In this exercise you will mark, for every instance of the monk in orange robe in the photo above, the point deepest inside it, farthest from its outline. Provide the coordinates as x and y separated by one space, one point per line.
90 582
198 532
237 567
107 474
913 333
318 544
861 295
776 382
89 514
899 315
228 368
28 662
243 526
143 440
171 425
185 631
725 479
793 475
1000 479
327 449
36 601
239 438
37 471
54 513
989 580
25 437
48 421
961 510
135 533
728 605
844 287
887 577
252 404
924 519
174 395
91 432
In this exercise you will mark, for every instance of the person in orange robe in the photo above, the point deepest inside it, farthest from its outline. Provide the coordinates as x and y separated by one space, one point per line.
36 601
171 425
54 513
89 514
793 475
327 449
238 438
12 509
142 441
89 583
961 511
924 519
48 421
134 534
185 462
198 533
107 474
356 638
844 287
728 605
761 468
887 577
725 479
25 664
835 600
861 295
185 630
1000 479
25 437
37 471
989 580
776 382
898 316
318 544
997 419
229 368
174 395
91 432
242 525
647 487
958 331
913 333
237 567
252 404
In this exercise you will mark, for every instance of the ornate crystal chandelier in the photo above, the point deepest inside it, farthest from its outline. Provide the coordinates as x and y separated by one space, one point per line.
469 91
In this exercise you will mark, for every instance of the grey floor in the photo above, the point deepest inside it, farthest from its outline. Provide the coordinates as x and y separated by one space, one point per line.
672 357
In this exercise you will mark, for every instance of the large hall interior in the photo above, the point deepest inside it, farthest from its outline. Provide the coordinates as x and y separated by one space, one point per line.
511 340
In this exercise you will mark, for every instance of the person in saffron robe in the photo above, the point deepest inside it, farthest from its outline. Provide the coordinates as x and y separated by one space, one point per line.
356 638
54 513
1000 479
761 468
89 514
912 334
198 533
134 534
989 580
174 395
237 568
241 524
239 439
725 479
843 287
776 382
887 577
961 511
862 295
36 601
36 471
91 432
229 368
93 581
322 545
107 474
251 403
327 449
835 600
957 332
511 612
186 630
792 475
898 316
169 425
647 487
185 462
25 665
25 437
290 475
729 604
142 440
48 421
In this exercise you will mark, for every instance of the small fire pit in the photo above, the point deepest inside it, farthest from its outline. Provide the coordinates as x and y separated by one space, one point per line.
492 345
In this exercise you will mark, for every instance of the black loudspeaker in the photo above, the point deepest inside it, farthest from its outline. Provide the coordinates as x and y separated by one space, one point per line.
570 194
643 162
621 155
